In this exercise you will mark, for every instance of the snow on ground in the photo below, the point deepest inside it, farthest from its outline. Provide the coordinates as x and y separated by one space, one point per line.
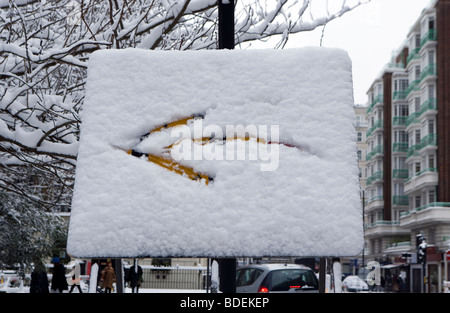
295 194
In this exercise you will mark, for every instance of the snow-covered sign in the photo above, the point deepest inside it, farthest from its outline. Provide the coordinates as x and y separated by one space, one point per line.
217 154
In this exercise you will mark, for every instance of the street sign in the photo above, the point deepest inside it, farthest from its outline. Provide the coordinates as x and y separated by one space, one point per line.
217 154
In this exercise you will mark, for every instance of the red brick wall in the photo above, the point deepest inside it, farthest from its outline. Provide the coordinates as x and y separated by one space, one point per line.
387 143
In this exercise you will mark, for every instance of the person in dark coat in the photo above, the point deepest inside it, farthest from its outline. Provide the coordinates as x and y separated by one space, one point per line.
59 280
135 278
39 279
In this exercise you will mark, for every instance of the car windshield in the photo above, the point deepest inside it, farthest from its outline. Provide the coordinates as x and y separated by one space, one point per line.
283 280
247 276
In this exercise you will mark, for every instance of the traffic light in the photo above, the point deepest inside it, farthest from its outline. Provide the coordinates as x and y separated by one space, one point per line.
421 249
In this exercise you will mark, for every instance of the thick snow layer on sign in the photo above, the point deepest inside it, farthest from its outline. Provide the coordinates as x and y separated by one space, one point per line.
296 193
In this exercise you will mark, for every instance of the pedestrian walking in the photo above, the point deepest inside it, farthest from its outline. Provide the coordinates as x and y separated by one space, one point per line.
135 277
39 279
108 277
59 281
76 279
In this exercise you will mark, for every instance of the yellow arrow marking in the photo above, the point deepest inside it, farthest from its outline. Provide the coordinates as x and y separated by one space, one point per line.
171 164
183 170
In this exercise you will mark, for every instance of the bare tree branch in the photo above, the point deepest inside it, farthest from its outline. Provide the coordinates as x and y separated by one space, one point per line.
44 51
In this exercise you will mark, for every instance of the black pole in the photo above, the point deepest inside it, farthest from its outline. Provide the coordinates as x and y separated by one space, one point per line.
424 281
227 267
364 224
226 24
227 275
322 274
119 275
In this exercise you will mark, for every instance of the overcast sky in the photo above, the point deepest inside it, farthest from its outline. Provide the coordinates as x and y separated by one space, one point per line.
370 34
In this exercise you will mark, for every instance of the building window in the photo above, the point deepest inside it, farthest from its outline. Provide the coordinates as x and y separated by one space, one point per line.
359 156
417 133
417 167
417 104
431 57
378 89
417 39
417 201
400 163
397 215
401 84
430 126
360 137
431 93
379 165
360 121
400 136
399 190
431 163
431 23
379 216
401 110
379 140
431 196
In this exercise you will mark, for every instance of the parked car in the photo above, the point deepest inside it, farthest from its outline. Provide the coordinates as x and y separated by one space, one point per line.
354 284
10 282
276 278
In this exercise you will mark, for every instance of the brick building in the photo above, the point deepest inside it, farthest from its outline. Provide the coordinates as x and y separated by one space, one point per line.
408 157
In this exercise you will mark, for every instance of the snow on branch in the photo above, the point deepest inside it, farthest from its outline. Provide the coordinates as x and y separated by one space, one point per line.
45 47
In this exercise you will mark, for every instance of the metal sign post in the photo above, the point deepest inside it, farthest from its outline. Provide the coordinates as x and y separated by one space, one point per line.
227 267
322 275
119 275
226 24
447 259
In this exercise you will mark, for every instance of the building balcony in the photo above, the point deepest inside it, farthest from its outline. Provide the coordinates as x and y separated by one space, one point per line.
398 248
430 36
413 86
377 150
384 228
400 174
436 212
376 202
399 95
429 71
361 124
400 200
378 125
399 147
429 140
396 65
426 177
376 177
377 100
412 151
413 56
399 120
413 119
429 106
